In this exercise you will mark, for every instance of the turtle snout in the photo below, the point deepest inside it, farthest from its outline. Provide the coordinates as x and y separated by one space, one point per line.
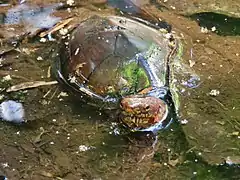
142 111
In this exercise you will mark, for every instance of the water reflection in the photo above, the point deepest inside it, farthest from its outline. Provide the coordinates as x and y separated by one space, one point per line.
32 17
218 23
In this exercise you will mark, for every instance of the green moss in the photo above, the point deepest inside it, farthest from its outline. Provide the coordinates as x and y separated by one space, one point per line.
136 77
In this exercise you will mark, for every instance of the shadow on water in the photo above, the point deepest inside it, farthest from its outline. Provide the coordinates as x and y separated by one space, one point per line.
191 165
131 10
114 147
225 25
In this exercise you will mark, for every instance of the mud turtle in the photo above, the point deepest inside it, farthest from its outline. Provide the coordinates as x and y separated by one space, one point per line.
120 63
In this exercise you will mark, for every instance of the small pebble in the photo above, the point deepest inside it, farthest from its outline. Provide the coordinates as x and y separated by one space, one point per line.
83 148
43 40
39 58
214 92
204 30
1 97
7 78
63 31
5 165
185 121
62 94
168 35
70 2
213 29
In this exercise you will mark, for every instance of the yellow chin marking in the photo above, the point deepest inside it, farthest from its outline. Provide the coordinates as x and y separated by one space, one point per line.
139 121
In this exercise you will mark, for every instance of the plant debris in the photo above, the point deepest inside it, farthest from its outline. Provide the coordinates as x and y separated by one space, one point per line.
28 85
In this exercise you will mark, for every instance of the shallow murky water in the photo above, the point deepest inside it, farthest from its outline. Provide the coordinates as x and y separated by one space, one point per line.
66 139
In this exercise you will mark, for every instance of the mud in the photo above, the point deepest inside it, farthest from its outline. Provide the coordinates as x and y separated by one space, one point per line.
66 139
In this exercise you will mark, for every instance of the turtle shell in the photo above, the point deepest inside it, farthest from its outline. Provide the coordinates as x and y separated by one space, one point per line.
107 58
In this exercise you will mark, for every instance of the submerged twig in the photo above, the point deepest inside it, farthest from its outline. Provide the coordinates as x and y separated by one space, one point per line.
57 27
5 73
224 107
28 85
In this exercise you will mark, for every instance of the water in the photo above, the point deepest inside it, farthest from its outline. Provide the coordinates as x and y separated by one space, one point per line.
59 127
219 23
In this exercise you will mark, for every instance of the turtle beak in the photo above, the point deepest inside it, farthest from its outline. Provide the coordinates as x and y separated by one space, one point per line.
142 112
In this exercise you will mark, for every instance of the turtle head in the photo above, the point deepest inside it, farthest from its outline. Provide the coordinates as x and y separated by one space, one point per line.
140 112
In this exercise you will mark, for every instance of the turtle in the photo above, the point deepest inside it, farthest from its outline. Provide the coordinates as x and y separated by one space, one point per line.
120 63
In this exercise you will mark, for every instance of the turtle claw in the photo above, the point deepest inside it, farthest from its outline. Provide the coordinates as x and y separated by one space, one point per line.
109 103
161 92
155 142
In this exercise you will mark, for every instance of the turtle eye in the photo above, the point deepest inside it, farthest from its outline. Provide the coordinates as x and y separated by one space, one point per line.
147 107
121 106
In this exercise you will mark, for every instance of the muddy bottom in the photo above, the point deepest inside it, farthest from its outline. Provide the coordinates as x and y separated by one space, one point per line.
64 138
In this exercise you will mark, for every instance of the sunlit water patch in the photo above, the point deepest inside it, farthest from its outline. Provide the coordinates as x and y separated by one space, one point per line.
32 17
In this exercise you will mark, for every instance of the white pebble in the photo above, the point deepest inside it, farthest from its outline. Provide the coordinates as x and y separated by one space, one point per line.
70 2
39 58
83 148
214 92
213 29
63 31
204 30
168 35
185 121
43 40
5 165
7 78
